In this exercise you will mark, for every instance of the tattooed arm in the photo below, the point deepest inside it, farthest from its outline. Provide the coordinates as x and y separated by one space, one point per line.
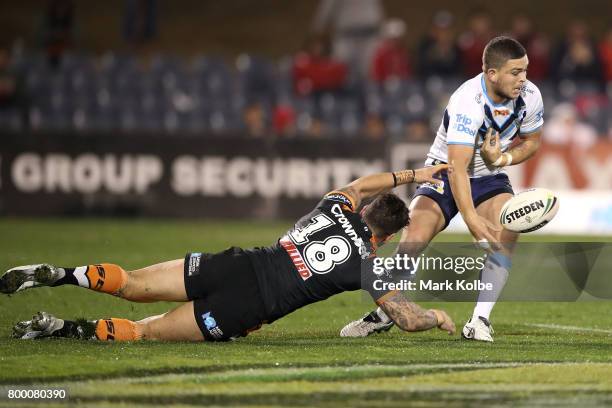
411 317
374 184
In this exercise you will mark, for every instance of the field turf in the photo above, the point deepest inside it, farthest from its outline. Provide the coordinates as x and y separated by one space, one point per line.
553 354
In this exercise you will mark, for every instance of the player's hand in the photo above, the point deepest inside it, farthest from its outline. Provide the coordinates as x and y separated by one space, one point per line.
444 321
429 174
491 148
482 230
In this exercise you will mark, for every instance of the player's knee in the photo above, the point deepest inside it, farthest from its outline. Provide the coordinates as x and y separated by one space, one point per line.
419 234
417 244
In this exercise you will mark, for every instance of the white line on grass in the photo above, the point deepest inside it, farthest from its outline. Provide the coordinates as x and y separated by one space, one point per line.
569 328
244 373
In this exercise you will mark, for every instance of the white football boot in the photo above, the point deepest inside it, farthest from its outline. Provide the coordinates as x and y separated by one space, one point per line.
478 329
29 276
42 325
368 324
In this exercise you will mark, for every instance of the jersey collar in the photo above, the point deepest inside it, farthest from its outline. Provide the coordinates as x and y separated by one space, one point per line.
484 90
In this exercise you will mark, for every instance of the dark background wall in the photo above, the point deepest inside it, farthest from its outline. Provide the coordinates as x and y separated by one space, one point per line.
274 27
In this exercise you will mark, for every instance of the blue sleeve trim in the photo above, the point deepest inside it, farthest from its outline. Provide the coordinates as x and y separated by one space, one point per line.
460 143
531 131
342 198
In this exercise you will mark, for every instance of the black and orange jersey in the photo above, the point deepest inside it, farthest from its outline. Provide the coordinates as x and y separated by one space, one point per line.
328 251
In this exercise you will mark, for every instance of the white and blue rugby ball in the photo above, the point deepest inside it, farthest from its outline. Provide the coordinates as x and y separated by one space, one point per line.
529 210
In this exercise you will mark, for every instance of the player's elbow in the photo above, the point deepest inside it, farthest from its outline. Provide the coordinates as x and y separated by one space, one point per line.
535 144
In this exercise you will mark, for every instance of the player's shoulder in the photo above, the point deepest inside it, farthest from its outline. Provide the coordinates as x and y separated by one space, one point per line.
469 95
531 93
344 198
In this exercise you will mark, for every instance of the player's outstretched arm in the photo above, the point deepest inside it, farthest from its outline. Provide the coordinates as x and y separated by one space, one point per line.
411 317
374 184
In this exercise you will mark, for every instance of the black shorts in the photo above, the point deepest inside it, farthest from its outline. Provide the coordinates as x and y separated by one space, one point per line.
224 288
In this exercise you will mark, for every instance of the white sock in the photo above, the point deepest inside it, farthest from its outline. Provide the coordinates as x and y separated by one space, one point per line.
495 272
383 316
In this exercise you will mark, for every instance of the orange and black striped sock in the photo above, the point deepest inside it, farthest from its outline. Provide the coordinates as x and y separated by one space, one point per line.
107 278
115 329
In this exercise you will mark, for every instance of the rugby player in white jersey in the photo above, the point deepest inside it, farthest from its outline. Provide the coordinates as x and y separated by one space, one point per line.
477 138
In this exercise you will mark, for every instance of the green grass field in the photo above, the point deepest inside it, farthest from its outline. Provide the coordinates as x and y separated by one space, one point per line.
555 354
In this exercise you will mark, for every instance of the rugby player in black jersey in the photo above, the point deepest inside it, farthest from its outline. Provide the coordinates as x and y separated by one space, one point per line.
229 294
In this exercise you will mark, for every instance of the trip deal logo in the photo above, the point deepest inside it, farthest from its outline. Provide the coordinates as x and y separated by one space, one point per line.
462 124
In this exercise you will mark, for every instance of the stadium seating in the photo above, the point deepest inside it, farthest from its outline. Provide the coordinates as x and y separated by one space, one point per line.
207 95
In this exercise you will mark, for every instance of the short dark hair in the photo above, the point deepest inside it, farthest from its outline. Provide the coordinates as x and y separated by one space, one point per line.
387 214
501 49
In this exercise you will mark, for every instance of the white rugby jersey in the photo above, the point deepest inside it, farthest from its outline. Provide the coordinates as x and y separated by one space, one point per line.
470 113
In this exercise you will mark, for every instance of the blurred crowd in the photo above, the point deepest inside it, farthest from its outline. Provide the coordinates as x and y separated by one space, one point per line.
354 76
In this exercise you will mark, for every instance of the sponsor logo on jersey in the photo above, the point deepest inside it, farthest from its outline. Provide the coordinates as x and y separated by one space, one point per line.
340 198
296 258
462 124
501 112
348 228
211 325
194 263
